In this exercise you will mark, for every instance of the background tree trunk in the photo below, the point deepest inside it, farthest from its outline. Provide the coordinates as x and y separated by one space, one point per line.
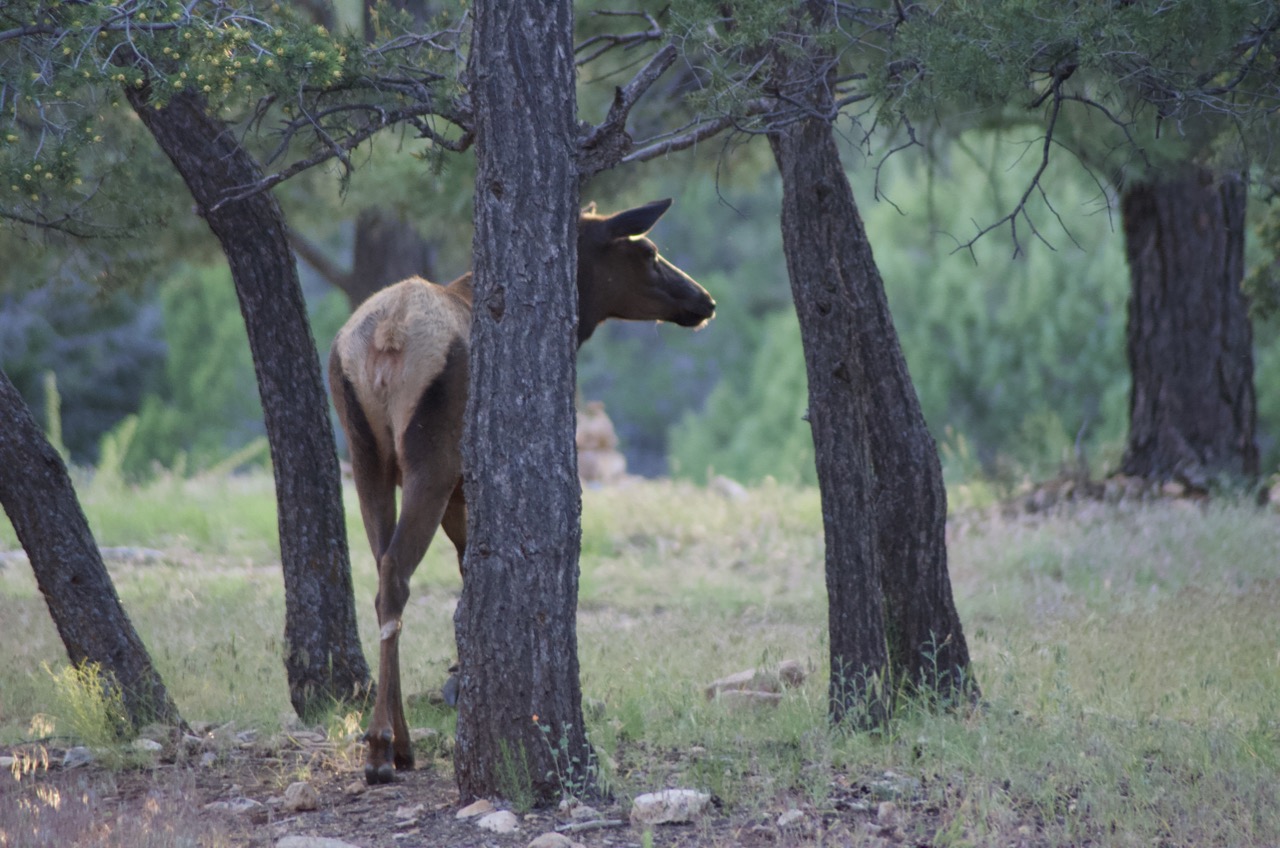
324 659
515 623
41 503
863 409
386 249
1192 408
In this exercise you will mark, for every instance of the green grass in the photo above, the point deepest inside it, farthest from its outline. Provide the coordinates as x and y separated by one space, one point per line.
1129 657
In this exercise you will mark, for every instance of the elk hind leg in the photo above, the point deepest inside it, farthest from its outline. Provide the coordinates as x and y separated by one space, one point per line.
431 468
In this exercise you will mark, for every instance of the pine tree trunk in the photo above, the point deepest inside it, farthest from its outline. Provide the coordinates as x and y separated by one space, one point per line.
815 204
41 503
324 659
1192 408
884 505
387 249
519 711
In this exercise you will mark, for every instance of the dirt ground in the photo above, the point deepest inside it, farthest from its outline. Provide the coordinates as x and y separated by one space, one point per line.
238 799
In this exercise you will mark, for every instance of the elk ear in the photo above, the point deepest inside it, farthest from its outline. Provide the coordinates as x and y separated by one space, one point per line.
638 221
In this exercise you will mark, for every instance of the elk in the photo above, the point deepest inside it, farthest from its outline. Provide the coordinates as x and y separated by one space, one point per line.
398 371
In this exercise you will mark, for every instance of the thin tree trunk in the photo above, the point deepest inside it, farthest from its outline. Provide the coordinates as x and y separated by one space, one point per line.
41 503
869 430
1192 408
520 704
324 659
816 202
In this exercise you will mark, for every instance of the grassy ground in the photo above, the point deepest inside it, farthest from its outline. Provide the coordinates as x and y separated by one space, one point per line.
1129 655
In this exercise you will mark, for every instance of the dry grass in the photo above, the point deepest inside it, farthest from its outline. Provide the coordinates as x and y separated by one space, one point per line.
1129 656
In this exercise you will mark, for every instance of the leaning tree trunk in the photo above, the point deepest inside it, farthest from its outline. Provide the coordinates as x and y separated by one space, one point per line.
520 705
1192 409
815 205
324 659
864 410
41 503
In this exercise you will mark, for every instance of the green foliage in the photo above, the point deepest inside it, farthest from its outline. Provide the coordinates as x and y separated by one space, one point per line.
103 348
1017 361
1022 355
753 426
208 402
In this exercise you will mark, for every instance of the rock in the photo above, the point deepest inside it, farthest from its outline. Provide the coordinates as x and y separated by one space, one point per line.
239 806
790 818
584 813
748 698
77 756
479 808
553 840
300 797
6 763
355 787
207 759
670 806
312 842
785 674
731 489
148 746
502 821
410 812
886 813
893 787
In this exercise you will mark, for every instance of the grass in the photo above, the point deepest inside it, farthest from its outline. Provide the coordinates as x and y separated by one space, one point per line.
1128 655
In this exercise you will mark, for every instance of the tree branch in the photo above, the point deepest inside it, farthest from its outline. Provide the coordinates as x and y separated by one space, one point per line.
607 143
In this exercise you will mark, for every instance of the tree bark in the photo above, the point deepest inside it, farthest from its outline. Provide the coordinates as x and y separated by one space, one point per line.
519 710
324 660
884 504
820 250
1192 407
41 503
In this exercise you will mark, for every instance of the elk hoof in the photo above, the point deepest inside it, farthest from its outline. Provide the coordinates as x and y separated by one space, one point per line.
379 775
404 762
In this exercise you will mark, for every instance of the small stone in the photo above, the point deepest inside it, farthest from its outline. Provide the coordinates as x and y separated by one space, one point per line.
76 757
728 488
553 840
149 746
479 808
300 797
887 813
6 763
410 812
207 759
239 806
419 734
790 818
670 806
746 698
502 821
355 787
312 842
584 813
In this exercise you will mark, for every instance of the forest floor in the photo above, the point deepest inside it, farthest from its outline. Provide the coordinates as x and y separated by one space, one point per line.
239 801
1124 639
